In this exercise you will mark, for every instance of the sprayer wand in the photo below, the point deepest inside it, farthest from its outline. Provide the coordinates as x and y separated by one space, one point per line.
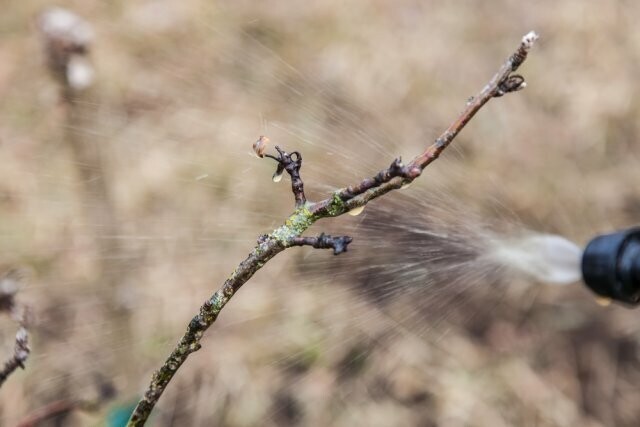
611 266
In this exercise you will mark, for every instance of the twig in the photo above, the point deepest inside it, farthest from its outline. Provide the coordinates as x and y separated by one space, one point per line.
306 213
324 241
20 355
8 289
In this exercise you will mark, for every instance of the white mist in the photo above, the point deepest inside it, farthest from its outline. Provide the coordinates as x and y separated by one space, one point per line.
548 258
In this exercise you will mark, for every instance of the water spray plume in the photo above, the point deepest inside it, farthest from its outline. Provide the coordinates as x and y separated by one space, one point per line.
547 258
609 265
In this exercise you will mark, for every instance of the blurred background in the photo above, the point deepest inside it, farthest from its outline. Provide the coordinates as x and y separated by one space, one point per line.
126 205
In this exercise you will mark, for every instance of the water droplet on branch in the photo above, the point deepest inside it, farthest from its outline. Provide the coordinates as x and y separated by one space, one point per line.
277 176
356 211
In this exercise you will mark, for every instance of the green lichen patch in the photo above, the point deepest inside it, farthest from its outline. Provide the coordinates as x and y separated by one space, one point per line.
336 206
294 226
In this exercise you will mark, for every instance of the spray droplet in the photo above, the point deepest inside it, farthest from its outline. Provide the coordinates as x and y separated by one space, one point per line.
550 259
603 301
277 177
356 211
405 185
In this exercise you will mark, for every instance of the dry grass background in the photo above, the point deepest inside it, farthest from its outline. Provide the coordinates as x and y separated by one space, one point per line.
185 87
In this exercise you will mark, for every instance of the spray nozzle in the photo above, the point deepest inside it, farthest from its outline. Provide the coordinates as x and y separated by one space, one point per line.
611 265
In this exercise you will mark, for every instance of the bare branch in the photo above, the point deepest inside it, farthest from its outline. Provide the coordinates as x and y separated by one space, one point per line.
306 213
503 81
396 169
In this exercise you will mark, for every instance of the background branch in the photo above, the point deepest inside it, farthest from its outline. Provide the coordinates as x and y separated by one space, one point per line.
20 355
67 40
9 285
56 411
306 213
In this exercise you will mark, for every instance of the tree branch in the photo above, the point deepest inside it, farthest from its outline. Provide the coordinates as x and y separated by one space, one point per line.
306 213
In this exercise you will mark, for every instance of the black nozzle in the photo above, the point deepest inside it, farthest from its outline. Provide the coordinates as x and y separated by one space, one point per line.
611 266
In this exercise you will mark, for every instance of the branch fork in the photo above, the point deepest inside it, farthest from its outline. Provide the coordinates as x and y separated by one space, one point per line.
290 162
288 235
396 176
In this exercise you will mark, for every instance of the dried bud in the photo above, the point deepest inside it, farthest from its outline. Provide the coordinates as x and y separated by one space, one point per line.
529 39
260 146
